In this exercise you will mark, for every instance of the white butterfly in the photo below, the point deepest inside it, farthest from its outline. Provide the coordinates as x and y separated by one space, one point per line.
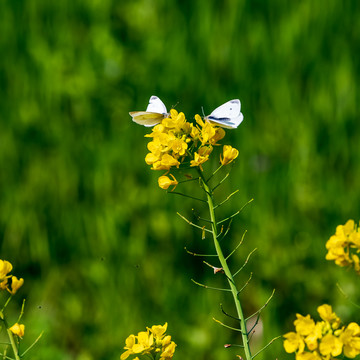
155 112
227 115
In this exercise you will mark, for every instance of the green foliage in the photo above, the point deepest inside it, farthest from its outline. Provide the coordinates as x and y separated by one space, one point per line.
81 217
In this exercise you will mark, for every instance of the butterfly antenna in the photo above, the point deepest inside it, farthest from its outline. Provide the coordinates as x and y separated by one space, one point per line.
174 106
202 109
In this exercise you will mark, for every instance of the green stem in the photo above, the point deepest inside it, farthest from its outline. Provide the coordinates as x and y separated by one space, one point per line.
11 337
226 269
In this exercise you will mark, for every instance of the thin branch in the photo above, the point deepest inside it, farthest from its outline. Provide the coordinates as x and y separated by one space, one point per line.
228 198
203 233
5 357
214 172
226 231
256 322
191 223
263 307
188 180
195 254
235 214
246 261
251 335
241 241
208 287
6 303
221 181
227 326
37 339
188 196
21 312
215 268
246 284
269 343
346 296
198 217
228 315
230 345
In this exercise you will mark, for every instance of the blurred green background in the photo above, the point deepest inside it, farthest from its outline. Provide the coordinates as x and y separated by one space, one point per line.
81 216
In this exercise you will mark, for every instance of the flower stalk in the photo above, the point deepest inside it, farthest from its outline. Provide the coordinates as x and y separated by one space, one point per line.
11 337
224 265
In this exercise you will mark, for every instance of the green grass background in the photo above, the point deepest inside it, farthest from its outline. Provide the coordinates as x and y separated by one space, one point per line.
81 216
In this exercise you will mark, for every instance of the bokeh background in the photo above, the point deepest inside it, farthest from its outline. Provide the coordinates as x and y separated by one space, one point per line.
81 217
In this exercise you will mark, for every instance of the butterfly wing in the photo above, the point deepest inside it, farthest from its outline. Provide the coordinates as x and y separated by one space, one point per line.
146 118
227 115
156 106
155 112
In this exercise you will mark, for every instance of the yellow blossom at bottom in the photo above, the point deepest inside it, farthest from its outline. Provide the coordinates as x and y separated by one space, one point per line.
150 343
323 340
18 329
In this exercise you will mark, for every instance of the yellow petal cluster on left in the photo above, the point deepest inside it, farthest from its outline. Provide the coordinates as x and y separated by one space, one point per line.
9 282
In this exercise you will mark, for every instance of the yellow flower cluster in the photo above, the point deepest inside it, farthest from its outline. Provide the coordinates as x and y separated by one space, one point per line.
323 340
151 343
176 141
9 282
344 246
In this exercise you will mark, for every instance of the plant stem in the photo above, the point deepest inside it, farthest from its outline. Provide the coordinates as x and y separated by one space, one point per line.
11 337
226 269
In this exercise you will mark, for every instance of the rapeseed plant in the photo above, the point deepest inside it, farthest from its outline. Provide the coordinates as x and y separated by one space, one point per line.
326 339
176 143
16 332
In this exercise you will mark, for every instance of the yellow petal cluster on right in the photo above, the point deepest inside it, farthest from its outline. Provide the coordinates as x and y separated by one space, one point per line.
344 246
323 340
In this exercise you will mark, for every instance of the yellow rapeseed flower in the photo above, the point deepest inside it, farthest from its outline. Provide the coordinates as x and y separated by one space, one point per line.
164 182
18 329
330 345
326 313
159 330
350 337
178 146
294 342
229 154
208 131
151 158
168 351
5 268
16 284
304 325
199 160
